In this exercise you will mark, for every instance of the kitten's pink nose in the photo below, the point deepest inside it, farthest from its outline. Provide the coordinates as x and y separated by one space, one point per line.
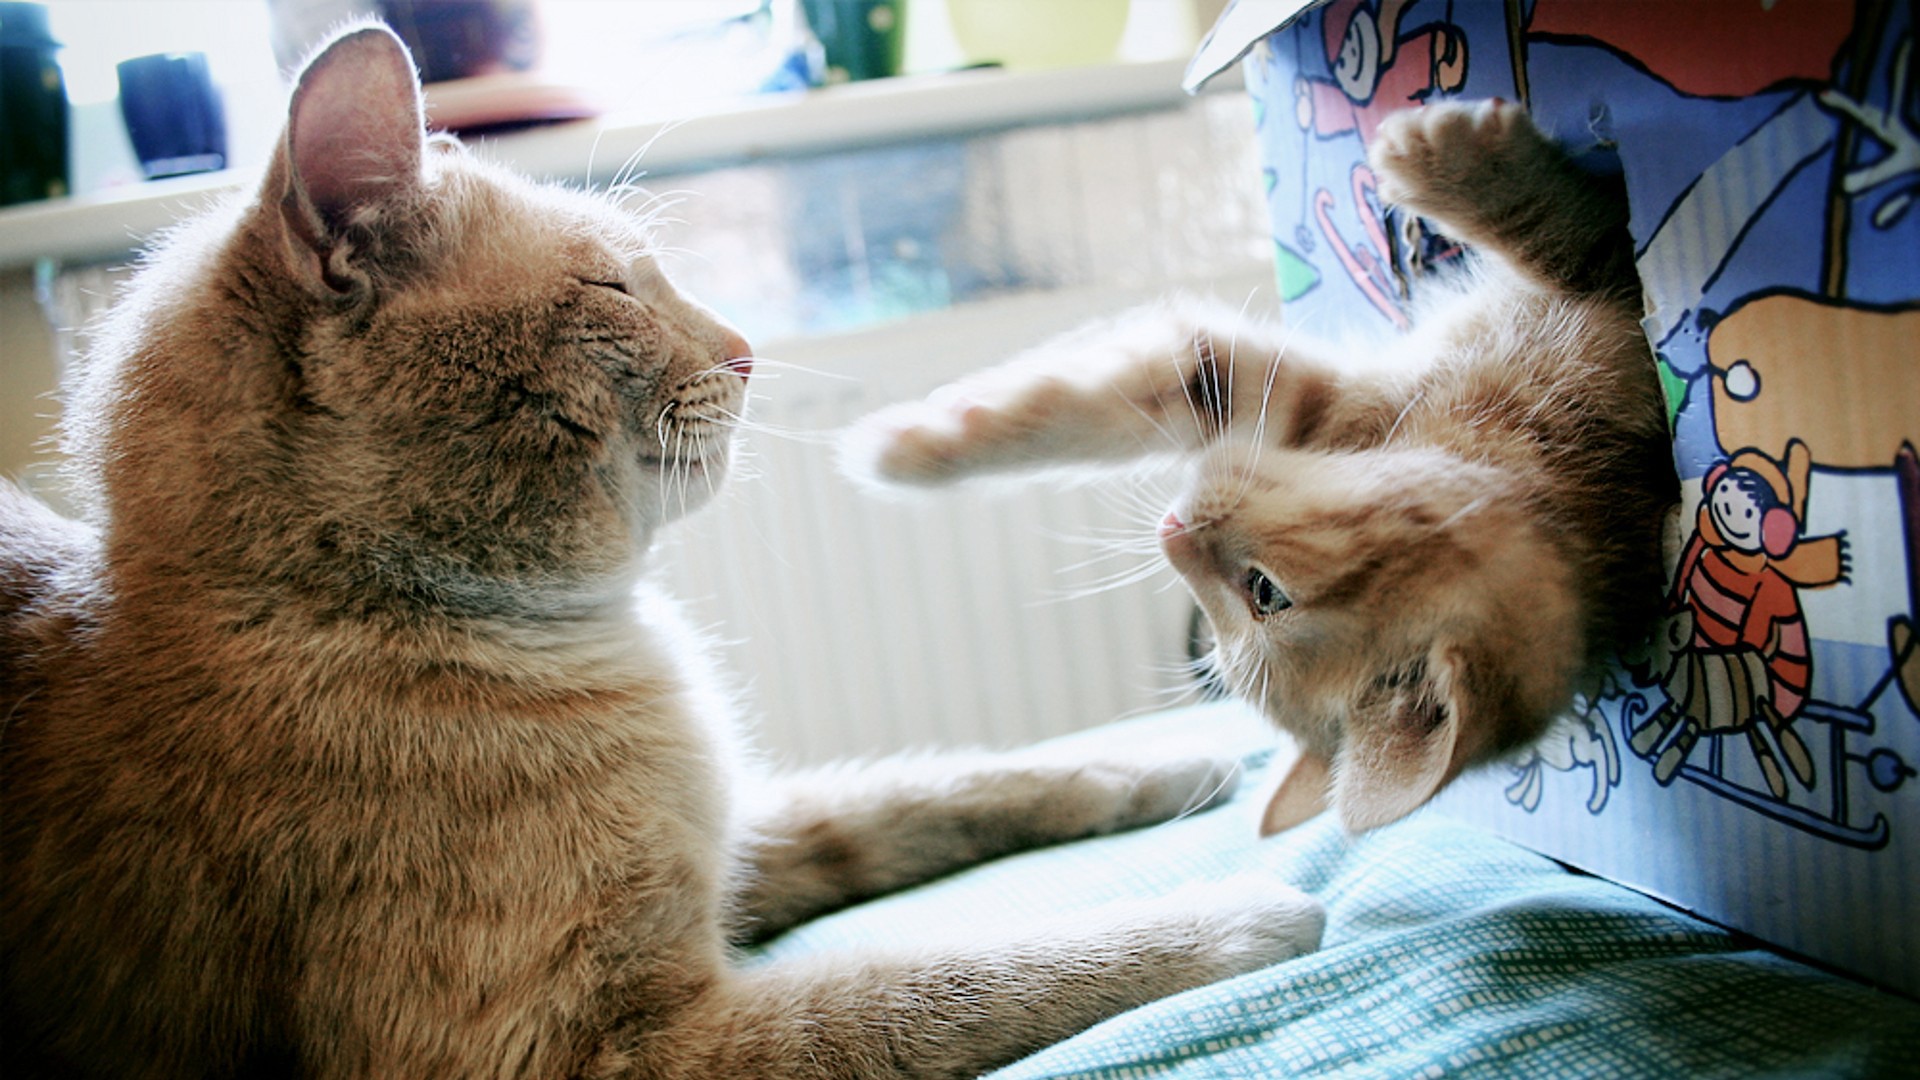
1171 524
739 354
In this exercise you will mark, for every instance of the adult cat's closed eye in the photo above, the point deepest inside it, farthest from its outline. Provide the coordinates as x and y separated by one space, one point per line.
1409 559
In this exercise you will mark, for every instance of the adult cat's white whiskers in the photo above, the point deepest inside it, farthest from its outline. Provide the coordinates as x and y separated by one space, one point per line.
657 202
630 172
682 466
660 425
742 422
767 367
593 152
666 256
707 474
652 213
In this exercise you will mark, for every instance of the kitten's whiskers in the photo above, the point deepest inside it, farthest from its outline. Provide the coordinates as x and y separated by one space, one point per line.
1398 420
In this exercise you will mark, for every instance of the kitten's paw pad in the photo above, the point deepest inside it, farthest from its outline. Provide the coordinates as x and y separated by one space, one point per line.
1435 158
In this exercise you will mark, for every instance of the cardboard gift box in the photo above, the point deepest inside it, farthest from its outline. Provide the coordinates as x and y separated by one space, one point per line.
1755 763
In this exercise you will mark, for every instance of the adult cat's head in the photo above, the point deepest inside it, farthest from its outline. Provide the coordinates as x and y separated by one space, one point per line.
399 372
1396 610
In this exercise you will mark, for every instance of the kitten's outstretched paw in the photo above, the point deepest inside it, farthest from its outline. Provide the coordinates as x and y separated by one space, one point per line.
1444 159
923 443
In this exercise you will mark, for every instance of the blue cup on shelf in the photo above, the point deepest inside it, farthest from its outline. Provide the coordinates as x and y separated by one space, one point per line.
173 114
33 107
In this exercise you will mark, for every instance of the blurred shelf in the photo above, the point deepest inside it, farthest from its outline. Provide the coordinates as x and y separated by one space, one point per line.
113 224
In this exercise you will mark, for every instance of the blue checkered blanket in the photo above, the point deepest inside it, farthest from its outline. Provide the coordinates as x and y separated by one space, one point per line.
1448 952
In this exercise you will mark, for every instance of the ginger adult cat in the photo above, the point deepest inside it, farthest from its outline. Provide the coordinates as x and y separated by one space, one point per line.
1410 555
336 745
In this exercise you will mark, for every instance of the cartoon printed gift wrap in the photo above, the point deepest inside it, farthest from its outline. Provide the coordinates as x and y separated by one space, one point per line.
1770 154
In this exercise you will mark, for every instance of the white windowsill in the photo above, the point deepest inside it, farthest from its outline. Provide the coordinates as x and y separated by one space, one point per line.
113 224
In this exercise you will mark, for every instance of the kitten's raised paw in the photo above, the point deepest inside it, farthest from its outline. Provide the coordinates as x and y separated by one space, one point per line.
1443 159
910 443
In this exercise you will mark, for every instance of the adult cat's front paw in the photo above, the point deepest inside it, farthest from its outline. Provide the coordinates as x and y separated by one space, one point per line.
1232 926
1445 159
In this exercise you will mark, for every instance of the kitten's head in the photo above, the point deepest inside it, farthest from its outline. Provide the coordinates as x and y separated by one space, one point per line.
406 371
1395 610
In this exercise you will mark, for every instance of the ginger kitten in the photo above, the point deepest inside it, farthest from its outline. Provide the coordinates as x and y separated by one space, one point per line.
335 742
1409 557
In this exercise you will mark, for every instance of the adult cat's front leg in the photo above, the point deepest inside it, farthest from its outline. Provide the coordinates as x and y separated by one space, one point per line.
1159 379
949 1010
825 838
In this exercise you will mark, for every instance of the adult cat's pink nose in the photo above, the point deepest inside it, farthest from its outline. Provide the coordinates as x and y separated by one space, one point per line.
739 354
1176 539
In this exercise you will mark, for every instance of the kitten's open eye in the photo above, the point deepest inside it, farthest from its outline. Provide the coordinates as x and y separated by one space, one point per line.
1263 596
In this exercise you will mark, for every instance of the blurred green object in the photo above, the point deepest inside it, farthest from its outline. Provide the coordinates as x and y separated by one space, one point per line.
1034 34
33 108
862 38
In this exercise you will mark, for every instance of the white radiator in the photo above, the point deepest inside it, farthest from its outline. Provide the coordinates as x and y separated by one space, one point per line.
863 626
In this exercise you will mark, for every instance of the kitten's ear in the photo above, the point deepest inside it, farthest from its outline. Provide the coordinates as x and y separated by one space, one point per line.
1404 741
354 142
1301 795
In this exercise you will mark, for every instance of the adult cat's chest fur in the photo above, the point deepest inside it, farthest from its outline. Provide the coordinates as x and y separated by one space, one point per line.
334 799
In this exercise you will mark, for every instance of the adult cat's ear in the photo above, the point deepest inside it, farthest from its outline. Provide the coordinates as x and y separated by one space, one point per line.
1404 740
353 147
